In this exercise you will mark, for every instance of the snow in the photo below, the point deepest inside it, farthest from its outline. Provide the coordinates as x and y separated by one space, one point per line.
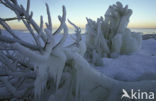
132 67
125 67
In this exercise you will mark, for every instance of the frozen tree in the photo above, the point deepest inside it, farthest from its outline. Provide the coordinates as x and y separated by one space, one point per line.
110 37
38 54
48 71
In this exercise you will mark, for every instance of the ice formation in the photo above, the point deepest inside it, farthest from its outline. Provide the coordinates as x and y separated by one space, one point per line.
48 71
109 36
79 45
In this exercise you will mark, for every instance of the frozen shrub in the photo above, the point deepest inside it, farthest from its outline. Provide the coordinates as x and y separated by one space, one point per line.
109 36
48 71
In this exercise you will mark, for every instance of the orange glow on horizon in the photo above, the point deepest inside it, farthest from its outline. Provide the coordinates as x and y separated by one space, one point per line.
20 25
142 25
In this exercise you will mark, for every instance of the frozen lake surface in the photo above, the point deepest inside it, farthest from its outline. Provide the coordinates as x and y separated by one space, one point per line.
125 67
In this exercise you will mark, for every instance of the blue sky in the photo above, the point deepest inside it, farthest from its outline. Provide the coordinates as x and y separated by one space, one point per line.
144 14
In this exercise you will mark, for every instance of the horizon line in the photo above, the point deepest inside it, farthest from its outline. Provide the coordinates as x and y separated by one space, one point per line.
1 28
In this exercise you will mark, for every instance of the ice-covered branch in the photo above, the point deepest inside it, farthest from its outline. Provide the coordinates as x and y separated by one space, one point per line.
61 21
78 45
6 39
77 30
49 24
56 73
110 37
7 27
47 58
65 33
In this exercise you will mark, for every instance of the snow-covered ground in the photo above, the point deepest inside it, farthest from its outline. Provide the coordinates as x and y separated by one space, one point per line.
132 67
125 67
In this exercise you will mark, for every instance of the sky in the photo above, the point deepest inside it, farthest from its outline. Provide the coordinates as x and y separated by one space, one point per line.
144 14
